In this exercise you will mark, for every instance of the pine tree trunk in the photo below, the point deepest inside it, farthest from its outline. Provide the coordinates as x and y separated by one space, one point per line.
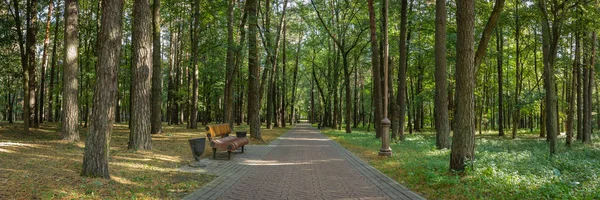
156 71
463 144
96 154
32 28
193 111
442 123
70 114
53 69
253 72
230 63
377 100
41 114
139 137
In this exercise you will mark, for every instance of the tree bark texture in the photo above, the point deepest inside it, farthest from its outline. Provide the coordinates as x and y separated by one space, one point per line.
139 137
377 100
156 71
463 146
97 144
442 123
253 72
193 115
70 114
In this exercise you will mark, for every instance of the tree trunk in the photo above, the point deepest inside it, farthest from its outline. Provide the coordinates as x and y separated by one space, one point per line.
518 76
24 66
442 123
499 47
572 93
377 101
587 117
156 71
230 64
579 91
70 73
398 120
139 137
32 28
283 80
53 68
295 82
463 146
253 72
96 154
193 115
45 63
550 35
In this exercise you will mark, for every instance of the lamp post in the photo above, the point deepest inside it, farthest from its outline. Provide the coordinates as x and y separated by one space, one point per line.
385 122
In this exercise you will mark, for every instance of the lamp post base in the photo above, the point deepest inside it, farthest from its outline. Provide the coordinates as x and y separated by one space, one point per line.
385 138
386 152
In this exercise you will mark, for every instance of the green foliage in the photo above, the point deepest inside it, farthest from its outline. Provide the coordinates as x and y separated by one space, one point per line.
504 168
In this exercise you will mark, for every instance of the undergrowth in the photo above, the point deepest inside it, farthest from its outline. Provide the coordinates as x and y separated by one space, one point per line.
504 168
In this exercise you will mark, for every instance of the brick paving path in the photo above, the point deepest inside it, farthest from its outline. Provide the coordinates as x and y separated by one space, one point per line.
301 164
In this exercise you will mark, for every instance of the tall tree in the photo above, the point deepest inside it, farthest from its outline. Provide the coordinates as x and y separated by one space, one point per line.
95 159
156 126
70 73
139 137
253 71
283 92
377 93
30 44
229 65
587 116
295 82
572 94
53 69
518 74
499 47
398 119
552 19
272 53
442 123
40 115
463 143
193 115
340 36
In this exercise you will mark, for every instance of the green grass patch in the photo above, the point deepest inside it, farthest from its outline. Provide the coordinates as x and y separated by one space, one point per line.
504 168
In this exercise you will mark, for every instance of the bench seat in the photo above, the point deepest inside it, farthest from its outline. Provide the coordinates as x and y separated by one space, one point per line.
225 142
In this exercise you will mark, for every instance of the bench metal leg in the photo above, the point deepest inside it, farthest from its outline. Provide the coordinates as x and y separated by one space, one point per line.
242 149
228 155
214 153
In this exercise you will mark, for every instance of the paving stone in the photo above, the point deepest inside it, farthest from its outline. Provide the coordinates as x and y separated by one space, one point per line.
301 164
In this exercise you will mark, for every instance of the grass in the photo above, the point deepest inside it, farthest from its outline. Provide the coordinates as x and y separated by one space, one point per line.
504 168
41 166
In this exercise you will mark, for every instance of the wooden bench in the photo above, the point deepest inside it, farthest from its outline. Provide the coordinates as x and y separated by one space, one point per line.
225 142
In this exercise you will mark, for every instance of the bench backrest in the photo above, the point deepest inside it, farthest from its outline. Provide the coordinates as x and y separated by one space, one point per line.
216 130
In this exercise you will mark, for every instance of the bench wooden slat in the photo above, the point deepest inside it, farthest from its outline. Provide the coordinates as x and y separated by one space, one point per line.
225 142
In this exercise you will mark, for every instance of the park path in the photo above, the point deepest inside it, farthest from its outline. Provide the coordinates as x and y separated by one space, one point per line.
301 164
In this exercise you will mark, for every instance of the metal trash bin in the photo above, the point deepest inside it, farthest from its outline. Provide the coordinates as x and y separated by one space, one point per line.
197 145
241 133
